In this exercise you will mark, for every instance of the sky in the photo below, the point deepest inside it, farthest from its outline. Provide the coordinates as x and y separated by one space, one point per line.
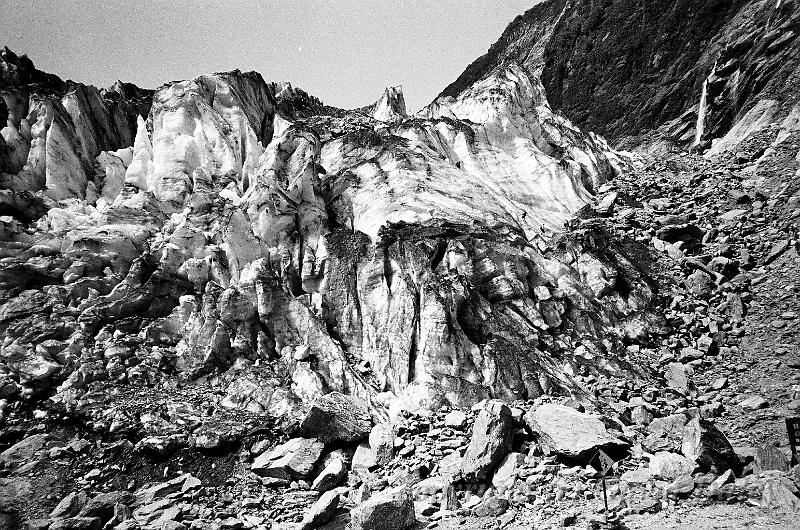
345 53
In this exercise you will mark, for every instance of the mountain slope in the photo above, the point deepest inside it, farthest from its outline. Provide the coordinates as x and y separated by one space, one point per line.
225 305
622 68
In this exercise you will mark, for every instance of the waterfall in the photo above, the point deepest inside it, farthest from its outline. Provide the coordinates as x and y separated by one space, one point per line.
701 114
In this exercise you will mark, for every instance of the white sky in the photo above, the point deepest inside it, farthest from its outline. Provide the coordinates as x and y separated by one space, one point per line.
345 53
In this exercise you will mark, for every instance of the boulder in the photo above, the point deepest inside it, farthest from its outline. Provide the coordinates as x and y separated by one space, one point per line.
670 466
780 494
381 441
364 458
491 506
392 509
489 443
507 471
289 461
455 419
678 376
754 403
700 283
681 485
771 458
332 474
337 417
708 447
321 511
76 523
102 506
70 505
24 450
572 434
665 434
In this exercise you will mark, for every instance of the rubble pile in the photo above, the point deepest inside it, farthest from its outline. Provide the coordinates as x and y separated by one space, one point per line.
225 305
495 460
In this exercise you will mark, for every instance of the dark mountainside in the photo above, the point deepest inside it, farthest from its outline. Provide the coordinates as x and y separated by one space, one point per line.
622 68
225 305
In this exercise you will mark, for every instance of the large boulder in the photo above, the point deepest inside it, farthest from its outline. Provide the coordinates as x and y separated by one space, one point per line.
678 376
321 511
490 441
392 509
665 434
507 471
381 441
572 434
708 447
780 494
337 417
334 471
183 482
24 450
769 458
670 466
289 461
102 506
70 505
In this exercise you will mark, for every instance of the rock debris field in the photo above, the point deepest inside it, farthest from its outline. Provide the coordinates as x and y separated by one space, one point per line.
225 305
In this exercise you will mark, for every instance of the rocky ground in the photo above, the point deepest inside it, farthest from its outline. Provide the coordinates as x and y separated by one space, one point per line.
225 305
726 231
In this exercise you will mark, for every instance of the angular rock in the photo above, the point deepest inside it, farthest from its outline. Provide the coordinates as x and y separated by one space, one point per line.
70 505
681 486
381 441
636 477
778 248
455 419
77 523
781 495
321 511
721 480
331 475
24 450
364 458
159 491
754 403
700 283
572 434
770 458
665 434
679 377
449 497
491 506
490 441
337 417
670 466
102 506
507 470
708 447
391 509
289 461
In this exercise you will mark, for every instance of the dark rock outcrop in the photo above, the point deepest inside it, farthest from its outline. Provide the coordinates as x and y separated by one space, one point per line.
625 67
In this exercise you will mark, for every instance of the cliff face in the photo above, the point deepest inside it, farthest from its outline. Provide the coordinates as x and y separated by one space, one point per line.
622 68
